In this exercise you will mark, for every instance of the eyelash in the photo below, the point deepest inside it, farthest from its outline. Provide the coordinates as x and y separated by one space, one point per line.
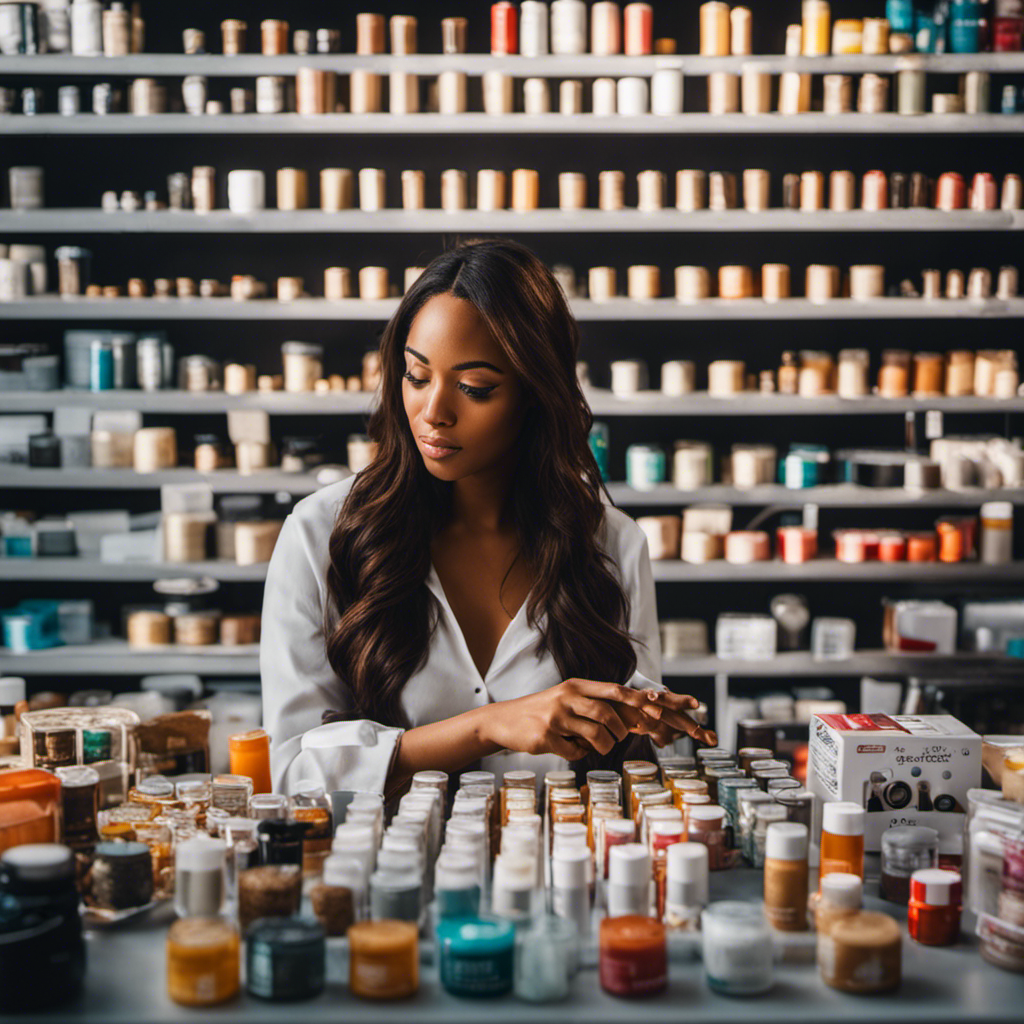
477 394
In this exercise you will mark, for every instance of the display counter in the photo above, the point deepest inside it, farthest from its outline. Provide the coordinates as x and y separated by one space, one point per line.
126 982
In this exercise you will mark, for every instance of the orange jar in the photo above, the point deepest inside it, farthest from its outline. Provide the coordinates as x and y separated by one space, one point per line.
892 547
202 961
250 756
30 808
951 542
384 960
842 838
921 547
933 913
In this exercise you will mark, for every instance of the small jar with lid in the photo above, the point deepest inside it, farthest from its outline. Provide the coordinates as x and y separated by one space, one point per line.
706 824
209 453
738 953
996 546
300 454
311 807
841 895
861 954
933 913
905 849
894 374
42 929
785 876
203 961
280 841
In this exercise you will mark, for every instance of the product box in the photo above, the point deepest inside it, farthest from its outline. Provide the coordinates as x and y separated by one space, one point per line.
903 770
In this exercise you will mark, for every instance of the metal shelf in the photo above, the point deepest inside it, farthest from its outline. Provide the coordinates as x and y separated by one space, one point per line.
225 481
476 124
616 310
90 569
828 496
555 66
116 658
863 663
827 570
602 403
544 221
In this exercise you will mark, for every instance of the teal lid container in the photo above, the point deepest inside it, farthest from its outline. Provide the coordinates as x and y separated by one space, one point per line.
476 956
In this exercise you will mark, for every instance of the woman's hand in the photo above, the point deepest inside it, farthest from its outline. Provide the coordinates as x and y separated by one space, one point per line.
662 715
570 720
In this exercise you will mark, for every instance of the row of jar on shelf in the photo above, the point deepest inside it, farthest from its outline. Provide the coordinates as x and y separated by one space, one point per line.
535 29
520 190
23 273
955 463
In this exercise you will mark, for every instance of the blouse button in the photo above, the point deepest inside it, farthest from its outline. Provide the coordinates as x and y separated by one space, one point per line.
477 690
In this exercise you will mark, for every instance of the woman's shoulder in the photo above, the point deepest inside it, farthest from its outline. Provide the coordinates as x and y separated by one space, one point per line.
622 538
312 519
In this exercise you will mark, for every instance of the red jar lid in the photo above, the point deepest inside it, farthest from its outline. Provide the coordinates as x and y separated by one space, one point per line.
935 887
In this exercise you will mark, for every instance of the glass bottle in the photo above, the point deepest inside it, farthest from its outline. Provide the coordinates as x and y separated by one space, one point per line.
311 806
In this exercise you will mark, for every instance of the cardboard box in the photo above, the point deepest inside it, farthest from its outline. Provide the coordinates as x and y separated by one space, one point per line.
903 770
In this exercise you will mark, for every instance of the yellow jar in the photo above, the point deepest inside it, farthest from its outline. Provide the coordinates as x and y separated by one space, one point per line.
202 961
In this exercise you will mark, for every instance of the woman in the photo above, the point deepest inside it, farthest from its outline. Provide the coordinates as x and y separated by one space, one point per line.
463 598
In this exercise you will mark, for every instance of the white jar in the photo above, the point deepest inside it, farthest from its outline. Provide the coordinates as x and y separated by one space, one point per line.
247 191
738 956
87 28
996 547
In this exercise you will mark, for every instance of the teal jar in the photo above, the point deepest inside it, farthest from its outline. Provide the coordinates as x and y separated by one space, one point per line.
900 14
476 956
727 789
645 466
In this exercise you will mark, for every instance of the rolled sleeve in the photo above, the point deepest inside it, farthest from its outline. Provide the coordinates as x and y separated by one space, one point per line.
299 683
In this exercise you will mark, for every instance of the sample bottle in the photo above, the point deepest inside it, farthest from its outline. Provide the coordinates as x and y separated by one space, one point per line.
570 898
203 962
686 885
338 898
933 913
629 880
311 806
632 956
861 953
842 838
905 849
199 877
250 756
785 876
738 955
841 895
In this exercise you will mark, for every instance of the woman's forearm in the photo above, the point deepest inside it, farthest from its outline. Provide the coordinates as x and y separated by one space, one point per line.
446 746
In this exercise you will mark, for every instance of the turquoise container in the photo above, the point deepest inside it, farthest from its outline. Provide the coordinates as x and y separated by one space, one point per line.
476 956
599 446
900 14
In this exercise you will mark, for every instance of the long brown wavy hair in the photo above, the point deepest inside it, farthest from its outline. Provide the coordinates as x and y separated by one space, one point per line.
380 547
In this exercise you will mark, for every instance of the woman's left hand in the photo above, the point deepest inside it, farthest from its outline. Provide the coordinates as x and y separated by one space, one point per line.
663 716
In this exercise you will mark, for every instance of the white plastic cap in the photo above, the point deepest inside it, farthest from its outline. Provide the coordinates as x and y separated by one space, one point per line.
200 854
619 827
310 789
687 862
786 840
353 834
430 777
78 776
936 887
842 889
628 864
667 827
37 861
12 690
512 871
455 871
707 812
343 871
843 818
569 867
366 802
997 510
569 830
398 860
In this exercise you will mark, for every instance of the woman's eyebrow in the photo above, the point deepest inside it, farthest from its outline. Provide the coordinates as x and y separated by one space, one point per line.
460 366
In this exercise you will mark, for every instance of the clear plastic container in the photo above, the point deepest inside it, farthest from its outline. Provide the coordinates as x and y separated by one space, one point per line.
738 955
832 639
745 637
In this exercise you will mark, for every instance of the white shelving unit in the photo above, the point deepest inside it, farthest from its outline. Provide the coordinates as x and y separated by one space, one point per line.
476 124
615 310
543 221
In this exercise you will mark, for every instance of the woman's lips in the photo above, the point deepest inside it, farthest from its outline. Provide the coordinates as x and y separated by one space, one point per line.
438 453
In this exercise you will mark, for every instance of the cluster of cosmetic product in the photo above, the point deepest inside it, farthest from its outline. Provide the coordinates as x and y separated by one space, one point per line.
23 273
694 190
533 29
809 373
705 533
957 463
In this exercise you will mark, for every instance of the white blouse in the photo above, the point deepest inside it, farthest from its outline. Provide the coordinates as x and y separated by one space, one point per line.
299 683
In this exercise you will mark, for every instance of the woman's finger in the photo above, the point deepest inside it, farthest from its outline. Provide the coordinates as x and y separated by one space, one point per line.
588 731
567 747
602 712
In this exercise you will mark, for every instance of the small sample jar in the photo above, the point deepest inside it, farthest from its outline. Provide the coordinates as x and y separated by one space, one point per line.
785 876
122 875
231 793
476 956
933 913
286 959
996 542
737 942
272 890
861 953
383 959
202 961
706 824
841 895
199 877
632 956
280 841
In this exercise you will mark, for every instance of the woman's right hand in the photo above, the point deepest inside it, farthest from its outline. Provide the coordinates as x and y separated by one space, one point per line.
570 720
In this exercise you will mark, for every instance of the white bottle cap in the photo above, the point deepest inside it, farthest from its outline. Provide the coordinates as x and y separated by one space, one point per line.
628 864
569 868
568 831
200 854
842 889
786 840
310 789
366 802
453 871
935 887
343 871
351 834
668 827
619 827
12 690
512 871
687 862
40 861
843 818
997 510
707 812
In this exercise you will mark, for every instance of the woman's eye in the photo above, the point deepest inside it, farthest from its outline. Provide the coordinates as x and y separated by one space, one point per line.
476 393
